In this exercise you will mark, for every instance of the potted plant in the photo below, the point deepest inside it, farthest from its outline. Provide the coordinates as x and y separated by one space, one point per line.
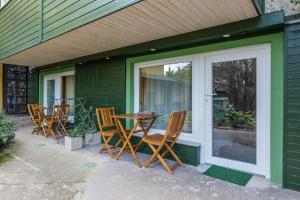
88 126
73 141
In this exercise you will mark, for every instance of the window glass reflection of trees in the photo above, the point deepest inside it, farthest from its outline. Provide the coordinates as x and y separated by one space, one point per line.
167 88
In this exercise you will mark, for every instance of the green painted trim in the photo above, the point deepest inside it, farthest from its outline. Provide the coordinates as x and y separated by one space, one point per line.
277 53
43 73
1 86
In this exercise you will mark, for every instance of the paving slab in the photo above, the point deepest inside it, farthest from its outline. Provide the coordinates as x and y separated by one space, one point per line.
39 168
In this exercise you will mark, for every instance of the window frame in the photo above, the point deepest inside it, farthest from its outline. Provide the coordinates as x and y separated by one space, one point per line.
190 137
3 4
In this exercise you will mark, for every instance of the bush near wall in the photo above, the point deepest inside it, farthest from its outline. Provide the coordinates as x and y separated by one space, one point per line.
7 128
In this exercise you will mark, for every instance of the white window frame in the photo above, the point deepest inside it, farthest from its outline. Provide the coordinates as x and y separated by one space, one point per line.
58 84
184 136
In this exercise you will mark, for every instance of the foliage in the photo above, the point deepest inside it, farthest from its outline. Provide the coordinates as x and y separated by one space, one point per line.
219 114
239 118
7 128
228 116
84 123
180 73
295 1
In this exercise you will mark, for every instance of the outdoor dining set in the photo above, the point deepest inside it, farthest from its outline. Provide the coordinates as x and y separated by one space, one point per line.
110 125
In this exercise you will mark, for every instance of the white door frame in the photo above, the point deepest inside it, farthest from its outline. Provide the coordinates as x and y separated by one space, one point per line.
58 84
263 88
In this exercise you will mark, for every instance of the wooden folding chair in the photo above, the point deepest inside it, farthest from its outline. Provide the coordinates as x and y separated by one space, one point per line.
36 114
158 141
108 128
56 125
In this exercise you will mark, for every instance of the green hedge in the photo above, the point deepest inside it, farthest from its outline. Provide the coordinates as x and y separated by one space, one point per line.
7 128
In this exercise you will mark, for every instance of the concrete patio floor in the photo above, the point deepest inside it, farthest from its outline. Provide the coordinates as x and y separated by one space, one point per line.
41 169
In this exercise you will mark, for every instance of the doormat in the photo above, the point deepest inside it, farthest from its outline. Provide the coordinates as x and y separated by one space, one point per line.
228 175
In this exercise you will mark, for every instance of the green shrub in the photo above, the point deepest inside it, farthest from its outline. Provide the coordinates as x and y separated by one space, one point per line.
219 114
7 128
240 118
84 123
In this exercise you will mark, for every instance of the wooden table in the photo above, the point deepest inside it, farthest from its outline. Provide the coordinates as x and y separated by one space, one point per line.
139 118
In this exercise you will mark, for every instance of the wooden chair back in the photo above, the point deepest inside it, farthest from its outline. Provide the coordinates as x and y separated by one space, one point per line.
35 110
105 118
65 108
175 125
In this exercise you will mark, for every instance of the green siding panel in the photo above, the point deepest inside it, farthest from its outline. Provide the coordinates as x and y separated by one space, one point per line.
292 108
102 83
18 26
26 23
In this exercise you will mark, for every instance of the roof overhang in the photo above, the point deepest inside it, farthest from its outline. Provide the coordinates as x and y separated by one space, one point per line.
148 20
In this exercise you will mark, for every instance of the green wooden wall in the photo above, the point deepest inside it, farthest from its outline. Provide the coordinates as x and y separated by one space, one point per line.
19 26
292 108
102 83
26 23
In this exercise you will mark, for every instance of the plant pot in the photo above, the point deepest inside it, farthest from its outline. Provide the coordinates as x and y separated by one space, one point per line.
92 139
73 143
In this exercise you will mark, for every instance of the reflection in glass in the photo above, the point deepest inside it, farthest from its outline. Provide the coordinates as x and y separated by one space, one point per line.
234 110
167 88
50 95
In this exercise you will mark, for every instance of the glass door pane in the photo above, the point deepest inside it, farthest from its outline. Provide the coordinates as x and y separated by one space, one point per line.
234 110
50 95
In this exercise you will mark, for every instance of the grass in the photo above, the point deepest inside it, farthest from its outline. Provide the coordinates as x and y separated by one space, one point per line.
5 157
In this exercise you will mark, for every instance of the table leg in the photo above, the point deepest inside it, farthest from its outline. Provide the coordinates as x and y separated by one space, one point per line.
145 133
127 143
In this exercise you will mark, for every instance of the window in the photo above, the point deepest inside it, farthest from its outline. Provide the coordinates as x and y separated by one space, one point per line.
164 88
3 2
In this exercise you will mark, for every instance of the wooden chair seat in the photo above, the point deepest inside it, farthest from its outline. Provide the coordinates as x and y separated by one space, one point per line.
154 139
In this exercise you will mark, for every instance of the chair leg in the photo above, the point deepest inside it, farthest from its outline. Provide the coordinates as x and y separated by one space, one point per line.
119 141
174 155
152 158
103 148
156 155
106 144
